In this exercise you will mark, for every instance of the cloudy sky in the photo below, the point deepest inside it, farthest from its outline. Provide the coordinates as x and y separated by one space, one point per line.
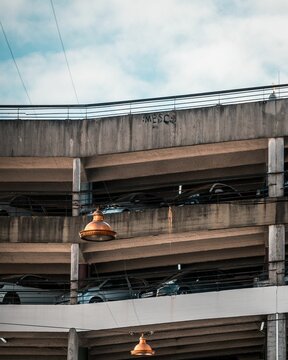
130 49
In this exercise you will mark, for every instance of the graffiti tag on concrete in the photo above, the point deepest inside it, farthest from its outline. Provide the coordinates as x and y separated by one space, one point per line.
160 118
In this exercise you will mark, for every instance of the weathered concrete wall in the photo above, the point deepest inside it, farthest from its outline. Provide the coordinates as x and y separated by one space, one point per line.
80 138
150 222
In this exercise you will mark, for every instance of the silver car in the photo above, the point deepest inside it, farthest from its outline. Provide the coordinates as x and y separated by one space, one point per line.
112 289
135 202
28 289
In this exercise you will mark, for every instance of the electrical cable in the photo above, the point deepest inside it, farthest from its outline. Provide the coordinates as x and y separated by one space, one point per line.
15 63
64 52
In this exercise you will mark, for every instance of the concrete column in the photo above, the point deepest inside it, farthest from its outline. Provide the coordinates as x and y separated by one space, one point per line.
86 198
276 254
74 273
76 187
72 353
276 167
83 274
276 337
276 323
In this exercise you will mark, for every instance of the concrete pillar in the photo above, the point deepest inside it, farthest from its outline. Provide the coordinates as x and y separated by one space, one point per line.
276 323
74 273
276 167
83 274
86 197
276 254
276 337
76 187
72 353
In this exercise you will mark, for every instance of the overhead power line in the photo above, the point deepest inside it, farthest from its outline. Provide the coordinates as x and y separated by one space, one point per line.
64 52
15 63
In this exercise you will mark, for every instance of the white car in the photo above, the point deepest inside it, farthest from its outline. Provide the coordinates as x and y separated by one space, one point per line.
29 289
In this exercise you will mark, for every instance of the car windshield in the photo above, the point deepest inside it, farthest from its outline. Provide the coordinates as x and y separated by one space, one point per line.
94 283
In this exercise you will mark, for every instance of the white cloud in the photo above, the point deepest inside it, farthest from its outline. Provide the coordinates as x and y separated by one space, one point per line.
133 49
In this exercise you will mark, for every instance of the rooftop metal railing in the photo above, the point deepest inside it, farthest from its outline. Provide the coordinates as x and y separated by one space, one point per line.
140 106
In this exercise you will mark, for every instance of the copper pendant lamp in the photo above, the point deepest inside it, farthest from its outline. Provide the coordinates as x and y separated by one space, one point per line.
142 349
97 229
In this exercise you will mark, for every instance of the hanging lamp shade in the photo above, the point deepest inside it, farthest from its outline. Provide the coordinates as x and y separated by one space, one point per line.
142 349
97 229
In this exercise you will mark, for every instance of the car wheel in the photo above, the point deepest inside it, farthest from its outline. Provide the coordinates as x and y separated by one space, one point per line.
11 298
95 300
182 291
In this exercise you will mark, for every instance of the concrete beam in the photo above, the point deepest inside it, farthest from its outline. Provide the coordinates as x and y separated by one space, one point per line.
177 244
193 258
141 252
164 239
36 175
31 351
36 341
34 357
35 162
204 354
23 187
138 164
176 166
52 269
193 350
179 342
34 258
175 153
176 160
173 334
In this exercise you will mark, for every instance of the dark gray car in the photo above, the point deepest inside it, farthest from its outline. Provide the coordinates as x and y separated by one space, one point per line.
135 202
207 194
112 289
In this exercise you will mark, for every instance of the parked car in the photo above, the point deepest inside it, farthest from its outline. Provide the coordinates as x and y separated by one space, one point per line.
112 289
29 289
188 282
173 287
208 194
137 201
20 205
178 284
